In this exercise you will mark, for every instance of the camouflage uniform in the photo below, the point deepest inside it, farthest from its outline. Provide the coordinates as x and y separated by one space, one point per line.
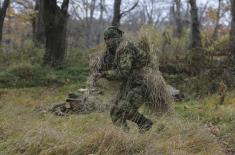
126 63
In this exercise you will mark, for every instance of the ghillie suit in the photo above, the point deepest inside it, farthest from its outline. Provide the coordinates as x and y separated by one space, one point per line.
80 103
160 95
84 101
140 81
90 99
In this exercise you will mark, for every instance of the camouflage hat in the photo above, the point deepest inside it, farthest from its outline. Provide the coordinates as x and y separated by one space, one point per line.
113 32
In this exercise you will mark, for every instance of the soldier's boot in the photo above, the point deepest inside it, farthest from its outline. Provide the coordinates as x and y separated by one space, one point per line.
143 123
145 126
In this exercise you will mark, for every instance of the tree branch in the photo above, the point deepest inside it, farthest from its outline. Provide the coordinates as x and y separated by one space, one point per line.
24 3
204 10
4 8
133 7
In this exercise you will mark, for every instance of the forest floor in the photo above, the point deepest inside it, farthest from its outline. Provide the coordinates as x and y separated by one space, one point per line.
198 127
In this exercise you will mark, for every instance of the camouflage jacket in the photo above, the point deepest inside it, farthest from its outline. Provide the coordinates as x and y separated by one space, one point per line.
124 62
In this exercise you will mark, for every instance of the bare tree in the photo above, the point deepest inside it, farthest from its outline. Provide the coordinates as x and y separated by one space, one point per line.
90 10
151 12
85 12
215 33
178 19
202 11
55 19
232 31
117 14
3 11
196 37
38 24
101 20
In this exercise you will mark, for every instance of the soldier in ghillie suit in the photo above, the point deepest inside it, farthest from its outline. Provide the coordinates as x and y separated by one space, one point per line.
140 83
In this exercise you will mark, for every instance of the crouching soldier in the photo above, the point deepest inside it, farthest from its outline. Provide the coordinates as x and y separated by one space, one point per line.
140 83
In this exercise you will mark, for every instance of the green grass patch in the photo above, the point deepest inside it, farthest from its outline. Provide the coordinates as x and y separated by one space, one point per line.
24 69
25 131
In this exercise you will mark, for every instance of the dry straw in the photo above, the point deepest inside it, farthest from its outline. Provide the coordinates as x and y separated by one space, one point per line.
161 100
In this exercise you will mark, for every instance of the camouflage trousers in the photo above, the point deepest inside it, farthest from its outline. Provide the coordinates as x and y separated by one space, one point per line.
126 106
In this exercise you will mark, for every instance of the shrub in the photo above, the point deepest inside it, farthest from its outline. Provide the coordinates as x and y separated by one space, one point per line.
24 69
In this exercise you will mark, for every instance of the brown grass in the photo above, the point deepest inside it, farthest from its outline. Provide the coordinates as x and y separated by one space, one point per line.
23 131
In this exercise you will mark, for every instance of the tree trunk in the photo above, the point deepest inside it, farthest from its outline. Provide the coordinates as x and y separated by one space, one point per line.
3 11
117 13
55 19
90 10
101 21
232 31
150 12
196 37
215 33
178 19
38 24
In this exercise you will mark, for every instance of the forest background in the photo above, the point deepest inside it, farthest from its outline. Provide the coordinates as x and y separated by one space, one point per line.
45 46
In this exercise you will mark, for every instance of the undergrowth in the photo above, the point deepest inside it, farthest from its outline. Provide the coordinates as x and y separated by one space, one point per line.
25 69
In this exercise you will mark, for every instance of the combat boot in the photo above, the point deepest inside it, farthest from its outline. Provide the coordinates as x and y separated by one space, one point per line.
143 123
145 126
